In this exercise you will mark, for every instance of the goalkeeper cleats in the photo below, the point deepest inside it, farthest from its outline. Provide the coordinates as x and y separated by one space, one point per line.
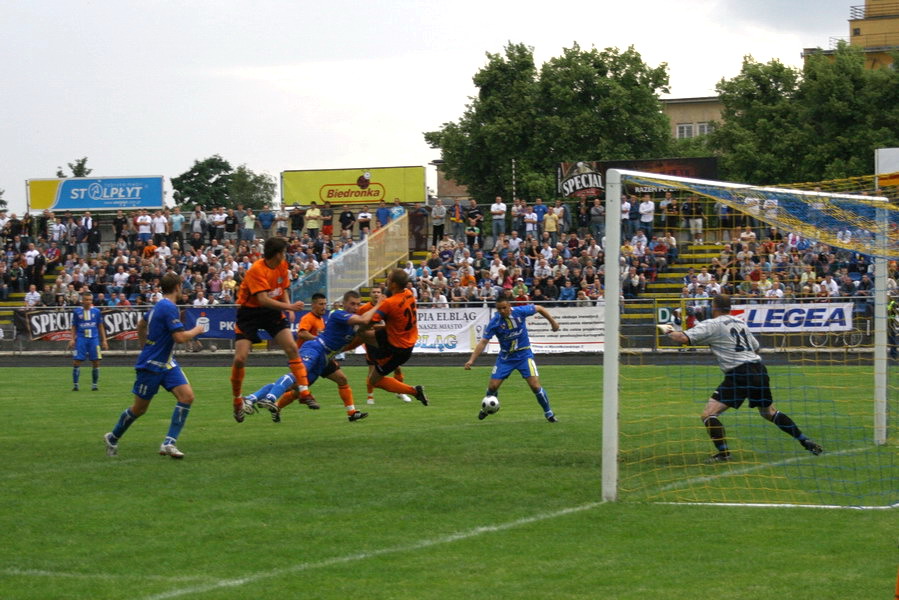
721 457
812 447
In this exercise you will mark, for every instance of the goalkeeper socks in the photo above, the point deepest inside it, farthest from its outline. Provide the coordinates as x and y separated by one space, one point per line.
543 400
716 432
125 420
95 375
76 374
179 416
787 425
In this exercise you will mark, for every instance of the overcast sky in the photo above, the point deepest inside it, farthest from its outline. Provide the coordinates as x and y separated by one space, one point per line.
146 88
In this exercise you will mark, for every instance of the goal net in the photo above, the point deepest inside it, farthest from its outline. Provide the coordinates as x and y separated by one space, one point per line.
828 354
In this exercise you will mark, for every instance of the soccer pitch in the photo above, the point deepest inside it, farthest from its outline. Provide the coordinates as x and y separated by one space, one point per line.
413 502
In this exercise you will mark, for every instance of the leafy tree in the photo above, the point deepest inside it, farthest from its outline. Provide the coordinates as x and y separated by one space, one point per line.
78 169
2 201
253 190
207 183
584 104
780 124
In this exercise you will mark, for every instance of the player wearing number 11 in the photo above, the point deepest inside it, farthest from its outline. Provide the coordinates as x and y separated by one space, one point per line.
745 376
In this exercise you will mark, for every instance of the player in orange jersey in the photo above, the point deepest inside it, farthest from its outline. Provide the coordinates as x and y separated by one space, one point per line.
263 296
375 292
391 346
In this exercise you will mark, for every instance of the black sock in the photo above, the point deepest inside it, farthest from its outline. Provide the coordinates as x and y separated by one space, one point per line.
716 432
787 425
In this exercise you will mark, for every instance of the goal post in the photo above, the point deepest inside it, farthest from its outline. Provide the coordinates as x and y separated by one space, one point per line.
653 441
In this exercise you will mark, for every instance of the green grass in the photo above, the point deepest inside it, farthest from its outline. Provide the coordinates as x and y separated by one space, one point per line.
413 502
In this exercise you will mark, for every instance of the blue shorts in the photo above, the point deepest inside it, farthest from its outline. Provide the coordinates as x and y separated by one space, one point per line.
524 364
147 383
315 359
87 349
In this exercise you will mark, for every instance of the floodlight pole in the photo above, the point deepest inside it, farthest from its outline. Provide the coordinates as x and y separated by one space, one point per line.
611 346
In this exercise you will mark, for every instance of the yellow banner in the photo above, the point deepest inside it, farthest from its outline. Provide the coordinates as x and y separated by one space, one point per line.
42 193
353 186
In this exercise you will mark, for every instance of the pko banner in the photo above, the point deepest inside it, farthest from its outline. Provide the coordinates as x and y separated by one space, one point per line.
222 320
787 318
103 193
353 186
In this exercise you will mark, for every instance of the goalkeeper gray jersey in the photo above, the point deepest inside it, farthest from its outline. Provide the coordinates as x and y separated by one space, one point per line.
729 338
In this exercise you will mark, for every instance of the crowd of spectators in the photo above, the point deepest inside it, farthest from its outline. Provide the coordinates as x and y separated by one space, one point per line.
527 251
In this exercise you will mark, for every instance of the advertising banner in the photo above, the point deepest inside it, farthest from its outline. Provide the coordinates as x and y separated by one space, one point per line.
55 325
95 193
450 329
790 318
581 329
581 179
353 186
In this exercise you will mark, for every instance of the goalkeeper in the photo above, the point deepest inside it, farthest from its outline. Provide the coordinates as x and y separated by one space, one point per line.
745 376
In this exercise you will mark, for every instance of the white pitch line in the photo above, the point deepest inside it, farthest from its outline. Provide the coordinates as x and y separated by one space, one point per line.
745 470
337 560
13 572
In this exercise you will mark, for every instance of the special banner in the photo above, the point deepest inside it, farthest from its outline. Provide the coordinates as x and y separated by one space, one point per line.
788 318
353 186
55 325
581 329
95 193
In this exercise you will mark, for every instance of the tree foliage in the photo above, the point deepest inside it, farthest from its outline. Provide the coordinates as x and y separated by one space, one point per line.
214 182
253 190
205 183
78 169
584 104
2 201
781 124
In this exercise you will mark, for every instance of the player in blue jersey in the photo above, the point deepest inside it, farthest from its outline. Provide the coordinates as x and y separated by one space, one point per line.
318 357
510 329
88 335
158 331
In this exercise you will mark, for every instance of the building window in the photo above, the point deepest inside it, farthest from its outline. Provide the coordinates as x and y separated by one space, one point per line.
684 130
703 129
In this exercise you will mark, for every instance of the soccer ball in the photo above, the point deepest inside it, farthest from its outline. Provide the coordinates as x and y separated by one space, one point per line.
213 347
490 404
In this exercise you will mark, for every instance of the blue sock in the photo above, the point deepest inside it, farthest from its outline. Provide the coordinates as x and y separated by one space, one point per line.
95 375
282 385
125 420
543 399
76 374
179 416
260 393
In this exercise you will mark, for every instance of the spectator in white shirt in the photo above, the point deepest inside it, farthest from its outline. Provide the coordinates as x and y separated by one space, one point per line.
647 214
498 212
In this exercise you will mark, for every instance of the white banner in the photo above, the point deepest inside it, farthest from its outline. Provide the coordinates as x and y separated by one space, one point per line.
450 329
788 318
581 329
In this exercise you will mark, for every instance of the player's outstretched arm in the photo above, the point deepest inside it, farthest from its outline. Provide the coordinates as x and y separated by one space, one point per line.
365 318
476 353
187 335
545 314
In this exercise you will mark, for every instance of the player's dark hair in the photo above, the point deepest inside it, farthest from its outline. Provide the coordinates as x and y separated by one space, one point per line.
87 296
352 294
273 247
500 300
170 281
399 277
721 303
318 296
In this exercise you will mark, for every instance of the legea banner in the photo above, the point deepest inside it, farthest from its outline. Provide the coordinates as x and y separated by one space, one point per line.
98 193
788 318
353 186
